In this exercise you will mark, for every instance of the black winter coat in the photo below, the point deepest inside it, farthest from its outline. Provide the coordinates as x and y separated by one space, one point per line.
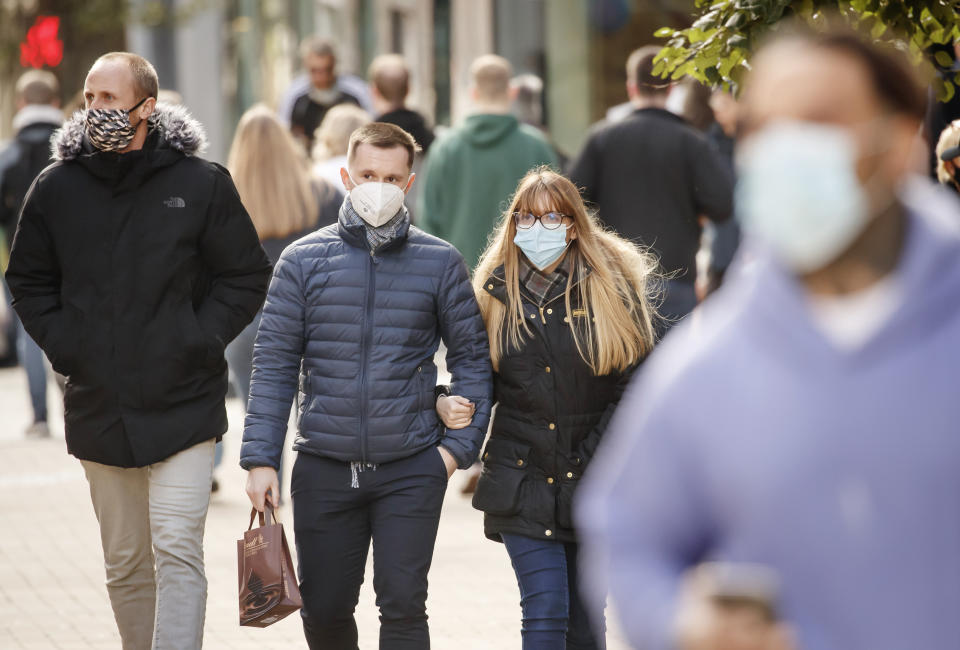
20 162
652 176
551 414
132 272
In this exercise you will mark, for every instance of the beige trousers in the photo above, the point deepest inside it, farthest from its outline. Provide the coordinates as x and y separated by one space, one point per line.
151 526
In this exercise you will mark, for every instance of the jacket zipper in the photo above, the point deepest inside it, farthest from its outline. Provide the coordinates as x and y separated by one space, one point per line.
365 357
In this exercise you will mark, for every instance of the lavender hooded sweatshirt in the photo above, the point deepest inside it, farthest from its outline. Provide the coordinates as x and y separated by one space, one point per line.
750 438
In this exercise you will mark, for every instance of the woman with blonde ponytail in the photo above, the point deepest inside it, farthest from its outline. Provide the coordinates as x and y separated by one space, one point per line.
568 311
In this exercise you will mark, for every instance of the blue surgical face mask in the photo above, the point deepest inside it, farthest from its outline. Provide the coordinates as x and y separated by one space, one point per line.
542 246
798 191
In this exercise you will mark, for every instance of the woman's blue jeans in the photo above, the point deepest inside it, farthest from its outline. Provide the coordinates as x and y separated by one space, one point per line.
554 616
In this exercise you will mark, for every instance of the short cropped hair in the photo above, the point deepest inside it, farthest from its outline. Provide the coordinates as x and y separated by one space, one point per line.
38 87
390 75
894 81
640 71
317 46
491 77
384 136
145 81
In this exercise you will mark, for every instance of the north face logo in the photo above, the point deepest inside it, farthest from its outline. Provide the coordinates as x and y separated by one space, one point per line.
175 202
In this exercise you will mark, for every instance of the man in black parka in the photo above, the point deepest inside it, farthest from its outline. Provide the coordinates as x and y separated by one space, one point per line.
652 176
133 265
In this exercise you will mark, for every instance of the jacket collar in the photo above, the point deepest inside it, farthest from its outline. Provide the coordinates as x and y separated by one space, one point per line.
37 114
173 125
356 235
496 283
656 112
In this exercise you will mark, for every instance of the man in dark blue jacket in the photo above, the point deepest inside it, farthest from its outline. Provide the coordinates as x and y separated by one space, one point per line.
353 318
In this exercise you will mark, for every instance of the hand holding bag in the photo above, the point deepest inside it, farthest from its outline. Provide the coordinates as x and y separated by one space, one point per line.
268 584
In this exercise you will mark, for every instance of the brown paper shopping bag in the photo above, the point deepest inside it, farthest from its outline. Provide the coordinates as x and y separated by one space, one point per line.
268 585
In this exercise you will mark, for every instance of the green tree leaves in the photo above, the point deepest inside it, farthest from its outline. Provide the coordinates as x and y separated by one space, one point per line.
716 49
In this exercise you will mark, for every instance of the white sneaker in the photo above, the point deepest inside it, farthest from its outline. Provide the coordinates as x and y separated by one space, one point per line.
38 430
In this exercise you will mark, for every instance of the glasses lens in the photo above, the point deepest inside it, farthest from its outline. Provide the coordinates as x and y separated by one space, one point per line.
524 220
552 220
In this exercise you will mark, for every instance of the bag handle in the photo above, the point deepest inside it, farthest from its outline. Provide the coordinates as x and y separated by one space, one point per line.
263 521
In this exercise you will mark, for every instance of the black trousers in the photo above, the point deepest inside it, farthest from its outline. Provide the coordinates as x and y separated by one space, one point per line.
398 507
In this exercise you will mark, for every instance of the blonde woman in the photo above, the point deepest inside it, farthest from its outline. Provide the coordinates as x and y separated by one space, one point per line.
332 137
567 310
273 179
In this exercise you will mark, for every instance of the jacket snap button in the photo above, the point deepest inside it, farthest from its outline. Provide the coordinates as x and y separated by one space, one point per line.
550 480
547 369
519 462
569 474
533 315
548 532
419 368
550 311
566 319
489 286
552 426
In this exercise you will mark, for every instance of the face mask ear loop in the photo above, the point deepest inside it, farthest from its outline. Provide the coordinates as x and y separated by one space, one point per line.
137 105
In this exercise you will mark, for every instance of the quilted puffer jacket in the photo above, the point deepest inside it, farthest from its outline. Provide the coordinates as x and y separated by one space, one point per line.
356 330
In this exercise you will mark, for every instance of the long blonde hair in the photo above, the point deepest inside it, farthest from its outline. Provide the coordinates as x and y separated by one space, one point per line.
609 276
271 176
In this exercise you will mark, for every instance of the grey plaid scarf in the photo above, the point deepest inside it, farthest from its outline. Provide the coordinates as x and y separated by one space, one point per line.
544 287
376 237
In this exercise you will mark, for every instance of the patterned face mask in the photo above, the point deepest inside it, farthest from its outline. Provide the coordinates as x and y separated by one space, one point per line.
109 129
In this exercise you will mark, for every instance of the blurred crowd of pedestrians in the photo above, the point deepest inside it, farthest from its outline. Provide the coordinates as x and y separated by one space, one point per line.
775 469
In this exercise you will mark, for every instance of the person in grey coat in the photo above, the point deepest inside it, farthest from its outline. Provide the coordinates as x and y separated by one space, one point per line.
354 315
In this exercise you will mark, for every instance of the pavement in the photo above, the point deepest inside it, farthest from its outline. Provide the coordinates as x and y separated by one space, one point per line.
52 593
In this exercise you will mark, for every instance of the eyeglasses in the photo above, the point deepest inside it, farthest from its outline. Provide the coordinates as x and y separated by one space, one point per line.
550 220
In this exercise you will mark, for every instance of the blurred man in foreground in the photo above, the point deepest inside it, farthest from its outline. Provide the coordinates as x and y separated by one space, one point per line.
824 443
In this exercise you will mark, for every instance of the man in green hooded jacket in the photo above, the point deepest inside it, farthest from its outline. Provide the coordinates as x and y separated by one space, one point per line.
473 170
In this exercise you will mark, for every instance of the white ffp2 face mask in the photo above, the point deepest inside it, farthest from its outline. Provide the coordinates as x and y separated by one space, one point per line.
798 190
376 203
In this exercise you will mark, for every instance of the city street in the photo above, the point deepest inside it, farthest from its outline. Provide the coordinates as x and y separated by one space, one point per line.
52 589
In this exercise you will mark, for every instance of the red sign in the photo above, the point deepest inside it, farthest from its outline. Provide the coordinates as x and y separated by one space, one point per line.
42 46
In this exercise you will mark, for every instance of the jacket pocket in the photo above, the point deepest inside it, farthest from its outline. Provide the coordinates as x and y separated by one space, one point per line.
304 393
68 344
201 349
427 410
565 499
504 471
420 401
498 490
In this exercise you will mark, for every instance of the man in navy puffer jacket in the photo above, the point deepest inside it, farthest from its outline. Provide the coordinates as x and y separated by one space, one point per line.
356 312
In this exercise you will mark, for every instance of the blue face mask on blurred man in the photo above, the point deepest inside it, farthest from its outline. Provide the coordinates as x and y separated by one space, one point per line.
798 191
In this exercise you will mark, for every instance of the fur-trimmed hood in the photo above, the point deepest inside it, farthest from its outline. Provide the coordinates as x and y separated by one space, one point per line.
176 127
